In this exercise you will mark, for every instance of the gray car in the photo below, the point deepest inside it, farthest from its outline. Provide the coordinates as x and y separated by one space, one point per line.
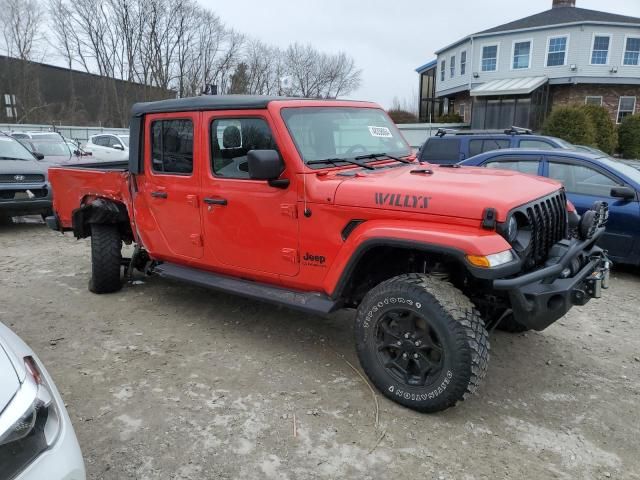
24 184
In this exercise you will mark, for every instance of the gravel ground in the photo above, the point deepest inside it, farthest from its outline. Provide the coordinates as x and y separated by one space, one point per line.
168 381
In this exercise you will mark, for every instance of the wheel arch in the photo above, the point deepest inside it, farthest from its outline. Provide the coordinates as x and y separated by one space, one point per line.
103 211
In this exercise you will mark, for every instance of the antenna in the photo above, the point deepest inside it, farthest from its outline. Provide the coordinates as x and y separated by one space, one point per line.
307 211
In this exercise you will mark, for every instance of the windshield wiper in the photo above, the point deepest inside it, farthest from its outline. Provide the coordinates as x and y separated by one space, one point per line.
12 158
373 156
337 161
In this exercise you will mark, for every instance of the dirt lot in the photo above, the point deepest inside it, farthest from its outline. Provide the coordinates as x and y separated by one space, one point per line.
167 381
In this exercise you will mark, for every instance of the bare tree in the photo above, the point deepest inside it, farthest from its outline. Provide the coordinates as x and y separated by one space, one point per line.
20 22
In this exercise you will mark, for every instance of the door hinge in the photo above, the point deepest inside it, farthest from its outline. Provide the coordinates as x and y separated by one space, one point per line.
193 200
196 239
290 255
289 210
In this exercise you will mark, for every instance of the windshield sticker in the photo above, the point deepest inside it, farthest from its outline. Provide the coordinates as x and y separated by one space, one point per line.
380 132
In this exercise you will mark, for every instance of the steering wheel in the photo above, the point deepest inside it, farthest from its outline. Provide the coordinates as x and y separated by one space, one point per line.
353 149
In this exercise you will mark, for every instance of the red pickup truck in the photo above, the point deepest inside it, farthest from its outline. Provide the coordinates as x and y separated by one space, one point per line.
320 205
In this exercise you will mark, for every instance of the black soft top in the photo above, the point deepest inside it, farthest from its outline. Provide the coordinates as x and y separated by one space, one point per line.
207 102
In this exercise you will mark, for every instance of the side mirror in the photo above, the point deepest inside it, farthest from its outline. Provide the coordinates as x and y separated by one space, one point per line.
264 165
625 193
38 155
118 147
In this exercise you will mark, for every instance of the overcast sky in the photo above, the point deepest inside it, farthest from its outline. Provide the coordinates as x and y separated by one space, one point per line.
389 39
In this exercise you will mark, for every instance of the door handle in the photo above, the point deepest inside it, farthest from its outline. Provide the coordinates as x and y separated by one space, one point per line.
159 194
215 201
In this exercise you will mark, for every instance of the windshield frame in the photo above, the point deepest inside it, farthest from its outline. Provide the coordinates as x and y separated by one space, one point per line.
334 161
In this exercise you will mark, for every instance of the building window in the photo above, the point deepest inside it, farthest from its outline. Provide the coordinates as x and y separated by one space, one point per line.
600 51
463 63
593 100
10 105
443 68
521 55
627 106
490 58
557 51
632 51
452 67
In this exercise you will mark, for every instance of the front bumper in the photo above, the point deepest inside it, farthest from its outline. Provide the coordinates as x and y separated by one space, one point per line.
24 205
543 296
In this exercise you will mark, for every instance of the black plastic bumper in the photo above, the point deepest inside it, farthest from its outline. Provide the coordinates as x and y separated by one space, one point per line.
543 296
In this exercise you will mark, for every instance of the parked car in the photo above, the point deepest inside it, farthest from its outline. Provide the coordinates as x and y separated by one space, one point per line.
587 178
37 135
319 205
109 147
453 146
24 185
54 151
37 440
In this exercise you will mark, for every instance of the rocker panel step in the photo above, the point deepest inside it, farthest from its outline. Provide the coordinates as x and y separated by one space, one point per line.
309 302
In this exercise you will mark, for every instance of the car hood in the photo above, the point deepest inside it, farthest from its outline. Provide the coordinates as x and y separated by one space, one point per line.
21 166
463 192
9 381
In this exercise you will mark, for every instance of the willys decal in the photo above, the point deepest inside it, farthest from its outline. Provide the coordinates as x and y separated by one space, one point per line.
402 200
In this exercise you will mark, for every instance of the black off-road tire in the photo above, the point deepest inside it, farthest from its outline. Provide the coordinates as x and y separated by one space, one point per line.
106 259
452 319
510 325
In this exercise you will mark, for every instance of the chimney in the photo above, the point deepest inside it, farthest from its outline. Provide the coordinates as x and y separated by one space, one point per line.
564 3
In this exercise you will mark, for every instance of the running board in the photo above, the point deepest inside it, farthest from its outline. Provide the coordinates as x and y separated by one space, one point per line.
309 302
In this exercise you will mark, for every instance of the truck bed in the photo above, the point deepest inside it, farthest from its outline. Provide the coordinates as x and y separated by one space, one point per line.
76 185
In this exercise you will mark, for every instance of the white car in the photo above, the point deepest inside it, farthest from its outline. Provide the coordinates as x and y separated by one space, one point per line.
37 440
108 147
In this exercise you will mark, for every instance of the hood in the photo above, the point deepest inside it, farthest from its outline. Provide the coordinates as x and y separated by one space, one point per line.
22 166
453 192
9 381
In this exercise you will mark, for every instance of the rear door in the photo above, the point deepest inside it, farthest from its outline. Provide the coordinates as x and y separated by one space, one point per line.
585 184
170 187
482 145
248 224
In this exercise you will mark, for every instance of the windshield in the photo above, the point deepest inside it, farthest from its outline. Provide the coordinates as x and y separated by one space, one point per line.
622 167
11 149
48 148
343 133
124 139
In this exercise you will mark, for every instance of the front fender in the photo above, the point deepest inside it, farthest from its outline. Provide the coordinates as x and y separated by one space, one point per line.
455 240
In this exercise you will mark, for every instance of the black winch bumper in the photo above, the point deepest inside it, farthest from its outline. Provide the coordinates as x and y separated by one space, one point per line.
579 273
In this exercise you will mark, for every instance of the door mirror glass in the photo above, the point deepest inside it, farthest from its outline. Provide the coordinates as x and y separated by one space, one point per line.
264 164
625 193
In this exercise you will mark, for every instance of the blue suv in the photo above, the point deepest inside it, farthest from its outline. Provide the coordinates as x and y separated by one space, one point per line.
452 146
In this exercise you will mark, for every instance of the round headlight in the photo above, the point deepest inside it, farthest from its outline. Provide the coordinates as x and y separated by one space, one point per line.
512 229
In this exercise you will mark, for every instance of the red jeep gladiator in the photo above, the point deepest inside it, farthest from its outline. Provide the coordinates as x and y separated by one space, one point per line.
319 205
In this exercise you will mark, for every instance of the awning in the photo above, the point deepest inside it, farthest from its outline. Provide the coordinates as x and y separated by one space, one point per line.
509 86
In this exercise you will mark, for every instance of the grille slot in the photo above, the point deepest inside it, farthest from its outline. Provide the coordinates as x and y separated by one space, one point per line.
28 178
548 221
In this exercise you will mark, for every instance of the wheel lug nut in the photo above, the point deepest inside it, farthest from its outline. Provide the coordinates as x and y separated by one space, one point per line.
415 355
406 335
418 343
398 343
405 356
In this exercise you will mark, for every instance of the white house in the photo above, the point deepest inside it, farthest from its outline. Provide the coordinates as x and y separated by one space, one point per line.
514 73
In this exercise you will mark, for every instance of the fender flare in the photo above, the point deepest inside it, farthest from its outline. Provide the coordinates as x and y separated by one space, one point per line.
99 210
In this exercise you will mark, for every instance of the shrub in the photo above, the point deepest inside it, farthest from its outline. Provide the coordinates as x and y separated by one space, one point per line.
450 118
606 135
402 116
571 124
629 136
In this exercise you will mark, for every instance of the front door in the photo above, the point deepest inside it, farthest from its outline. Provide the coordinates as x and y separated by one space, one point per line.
248 224
170 187
586 185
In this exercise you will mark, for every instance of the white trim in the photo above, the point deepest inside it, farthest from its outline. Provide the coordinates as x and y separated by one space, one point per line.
566 50
624 51
593 96
482 47
593 44
466 60
635 101
513 53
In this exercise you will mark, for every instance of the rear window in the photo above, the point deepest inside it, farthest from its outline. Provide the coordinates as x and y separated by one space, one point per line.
441 151
477 147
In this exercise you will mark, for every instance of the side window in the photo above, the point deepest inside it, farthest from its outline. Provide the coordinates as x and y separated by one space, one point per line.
441 150
101 140
480 146
113 141
581 180
231 140
536 144
529 167
172 146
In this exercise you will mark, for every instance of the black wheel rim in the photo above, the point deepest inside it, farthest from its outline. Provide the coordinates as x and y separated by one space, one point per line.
409 348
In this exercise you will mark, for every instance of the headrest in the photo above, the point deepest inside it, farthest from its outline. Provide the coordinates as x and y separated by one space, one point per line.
231 137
